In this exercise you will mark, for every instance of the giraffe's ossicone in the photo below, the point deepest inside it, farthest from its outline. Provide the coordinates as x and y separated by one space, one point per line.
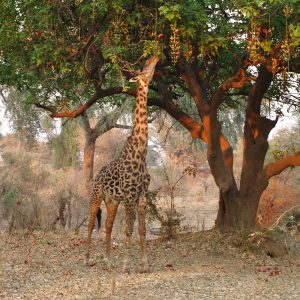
126 178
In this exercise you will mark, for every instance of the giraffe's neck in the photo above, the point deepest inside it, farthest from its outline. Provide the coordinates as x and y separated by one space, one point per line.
140 125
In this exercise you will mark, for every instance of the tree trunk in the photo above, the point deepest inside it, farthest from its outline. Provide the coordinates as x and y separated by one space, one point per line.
61 212
229 208
237 211
69 216
88 161
238 208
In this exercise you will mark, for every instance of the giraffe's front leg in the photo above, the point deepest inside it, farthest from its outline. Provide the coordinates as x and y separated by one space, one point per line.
130 218
111 207
142 232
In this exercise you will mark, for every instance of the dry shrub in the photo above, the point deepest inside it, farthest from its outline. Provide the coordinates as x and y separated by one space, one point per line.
35 196
68 198
20 204
162 201
276 199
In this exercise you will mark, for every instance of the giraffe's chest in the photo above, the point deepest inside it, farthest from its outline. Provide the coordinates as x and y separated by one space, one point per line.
135 178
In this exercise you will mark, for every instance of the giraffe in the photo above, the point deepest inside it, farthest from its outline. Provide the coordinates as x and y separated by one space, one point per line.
126 178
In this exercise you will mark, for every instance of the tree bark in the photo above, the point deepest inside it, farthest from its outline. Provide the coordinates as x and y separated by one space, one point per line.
88 161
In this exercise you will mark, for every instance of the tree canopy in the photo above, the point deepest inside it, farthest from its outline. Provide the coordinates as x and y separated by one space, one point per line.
65 52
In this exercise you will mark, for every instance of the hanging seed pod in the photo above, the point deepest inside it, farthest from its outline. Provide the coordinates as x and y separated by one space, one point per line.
125 32
188 51
253 46
175 44
275 65
287 11
286 50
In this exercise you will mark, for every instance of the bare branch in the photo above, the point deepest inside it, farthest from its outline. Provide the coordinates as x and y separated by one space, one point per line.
121 126
45 107
3 96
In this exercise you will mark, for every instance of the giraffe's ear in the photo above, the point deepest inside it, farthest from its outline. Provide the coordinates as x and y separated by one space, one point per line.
136 76
133 79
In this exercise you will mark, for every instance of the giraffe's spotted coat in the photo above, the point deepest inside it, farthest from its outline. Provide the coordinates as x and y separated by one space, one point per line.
125 177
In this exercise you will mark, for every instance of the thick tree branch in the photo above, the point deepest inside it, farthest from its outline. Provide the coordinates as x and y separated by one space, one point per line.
254 123
166 102
109 120
277 167
196 87
237 81
215 155
198 92
45 107
258 90
85 123
194 127
82 108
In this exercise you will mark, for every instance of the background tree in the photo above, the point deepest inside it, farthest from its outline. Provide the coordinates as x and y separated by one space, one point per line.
65 149
24 121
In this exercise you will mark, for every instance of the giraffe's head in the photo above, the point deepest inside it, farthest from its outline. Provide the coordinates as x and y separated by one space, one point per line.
145 76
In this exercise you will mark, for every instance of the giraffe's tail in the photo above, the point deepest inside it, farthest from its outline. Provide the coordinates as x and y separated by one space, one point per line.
99 217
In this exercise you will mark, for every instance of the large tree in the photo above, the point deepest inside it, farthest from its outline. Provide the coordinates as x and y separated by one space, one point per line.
70 55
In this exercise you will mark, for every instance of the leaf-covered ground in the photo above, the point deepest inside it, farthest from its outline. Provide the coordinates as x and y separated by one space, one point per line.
204 265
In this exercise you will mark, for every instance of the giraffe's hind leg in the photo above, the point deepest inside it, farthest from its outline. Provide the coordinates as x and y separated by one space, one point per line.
130 218
111 207
142 204
94 208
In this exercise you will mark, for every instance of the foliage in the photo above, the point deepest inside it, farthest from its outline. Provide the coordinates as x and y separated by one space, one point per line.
24 120
65 148
55 50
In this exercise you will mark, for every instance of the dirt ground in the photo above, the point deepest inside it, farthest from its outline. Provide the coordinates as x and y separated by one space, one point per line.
205 265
